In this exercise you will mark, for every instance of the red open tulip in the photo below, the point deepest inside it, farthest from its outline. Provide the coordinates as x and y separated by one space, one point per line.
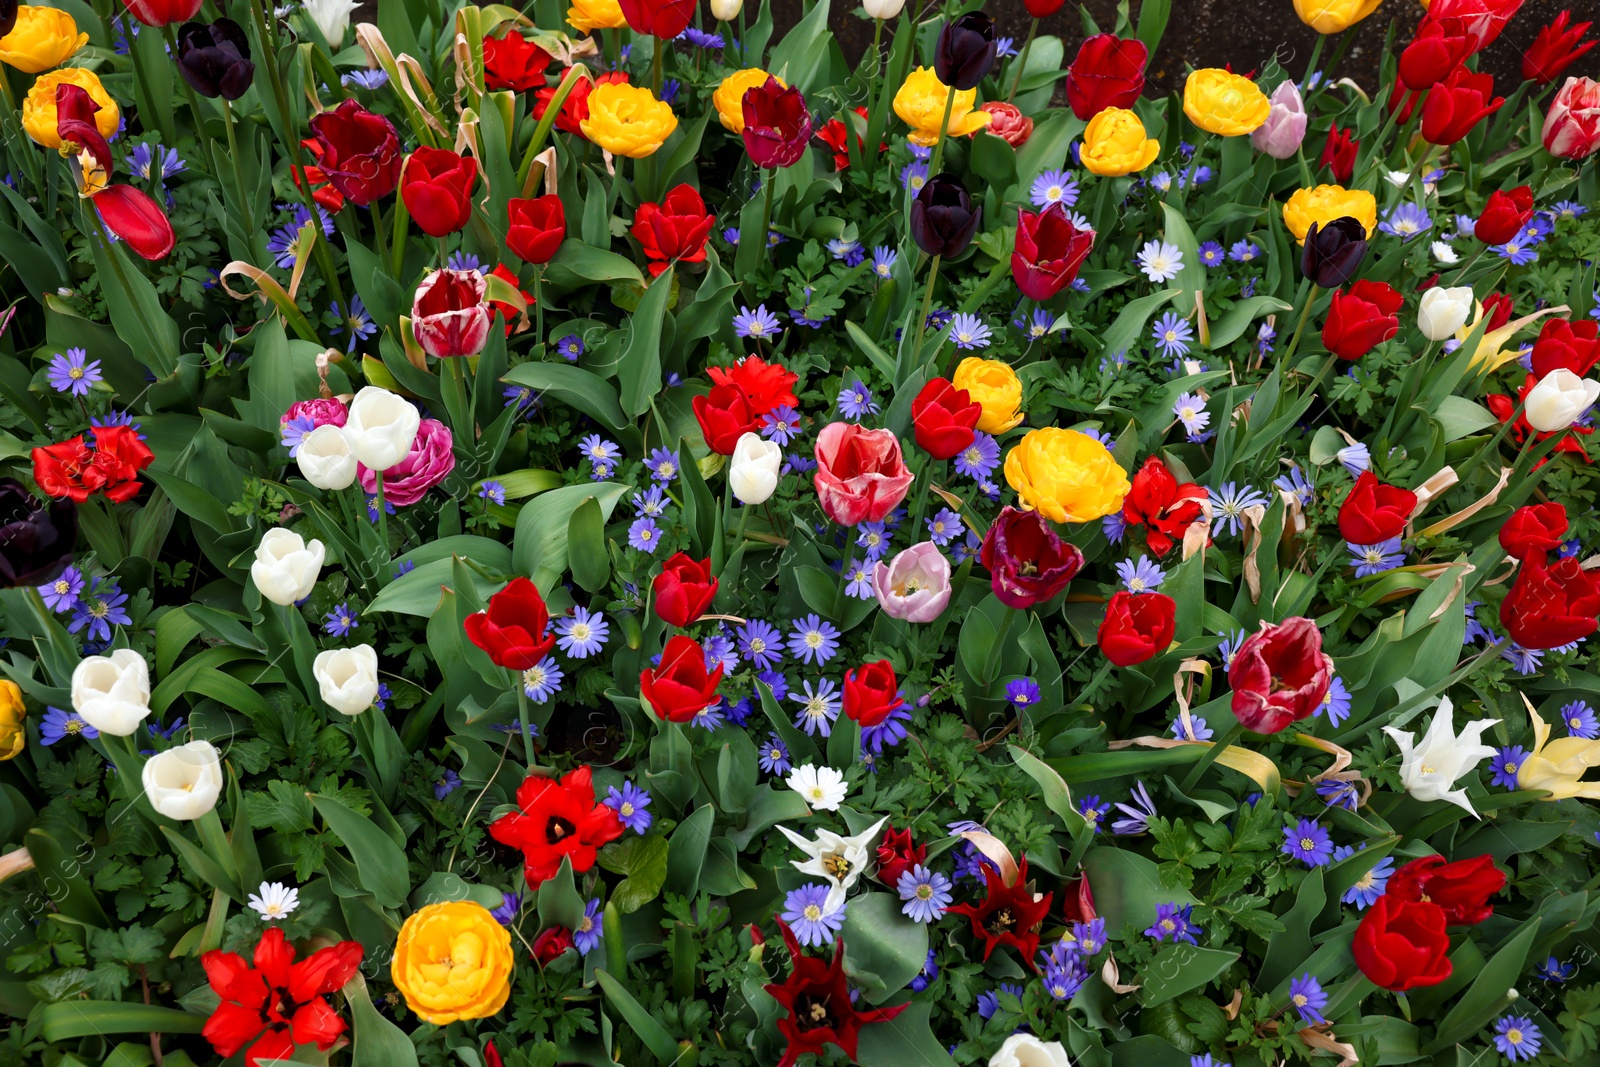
1048 252
1028 562
1534 528
513 62
1556 48
1137 626
766 385
860 475
1504 215
512 629
1461 888
1008 914
1279 675
664 19
72 470
1562 344
777 124
818 1009
681 687
1373 512
682 592
1550 606
536 227
1361 319
269 1008
943 419
1161 504
359 151
557 820
437 189
1484 19
675 229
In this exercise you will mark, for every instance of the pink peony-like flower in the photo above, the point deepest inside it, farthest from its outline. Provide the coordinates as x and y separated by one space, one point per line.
861 475
323 411
1279 675
449 314
915 585
1007 123
429 462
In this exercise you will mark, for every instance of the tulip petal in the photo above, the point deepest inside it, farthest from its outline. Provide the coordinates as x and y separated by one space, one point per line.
135 217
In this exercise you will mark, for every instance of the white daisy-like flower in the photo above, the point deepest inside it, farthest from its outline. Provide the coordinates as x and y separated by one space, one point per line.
1444 253
275 901
1160 261
822 787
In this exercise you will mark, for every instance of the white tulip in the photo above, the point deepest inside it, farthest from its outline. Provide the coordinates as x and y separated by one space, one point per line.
325 458
1559 398
286 566
1443 311
836 859
183 783
753 468
728 10
347 678
1025 1050
112 693
1430 769
332 18
381 427
883 9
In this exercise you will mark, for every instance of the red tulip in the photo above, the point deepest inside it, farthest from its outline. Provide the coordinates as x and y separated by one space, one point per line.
1457 104
575 108
725 416
1504 215
1572 125
1497 309
555 820
536 227
1008 914
1361 319
71 469
1279 675
1107 72
1373 512
1550 606
359 151
1401 101
1438 47
1161 504
1574 346
513 62
664 19
266 1010
162 12
1339 154
944 418
897 853
128 212
436 186
681 687
1137 626
1043 9
871 693
682 592
777 124
1462 888
1484 19
1555 49
766 385
550 946
512 629
1048 252
833 134
1402 945
812 984
1027 562
861 475
673 230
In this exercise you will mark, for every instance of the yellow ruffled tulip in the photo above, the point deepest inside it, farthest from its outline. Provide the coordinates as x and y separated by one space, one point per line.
920 103
1558 766
729 97
589 15
453 961
1221 102
43 37
1324 204
1334 16
13 738
1114 144
39 106
1065 475
995 387
627 120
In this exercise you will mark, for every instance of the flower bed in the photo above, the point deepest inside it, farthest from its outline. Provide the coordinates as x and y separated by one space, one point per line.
602 536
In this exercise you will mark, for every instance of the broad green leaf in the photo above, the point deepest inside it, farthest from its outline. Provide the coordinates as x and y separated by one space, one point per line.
540 546
381 862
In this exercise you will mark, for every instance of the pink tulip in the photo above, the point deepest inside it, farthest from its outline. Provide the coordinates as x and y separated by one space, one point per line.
429 462
861 475
1280 136
1572 125
915 585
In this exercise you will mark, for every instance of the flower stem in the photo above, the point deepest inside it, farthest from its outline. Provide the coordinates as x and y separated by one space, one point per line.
1305 313
944 129
992 663
1022 61
233 156
1210 756
927 303
522 716
1472 261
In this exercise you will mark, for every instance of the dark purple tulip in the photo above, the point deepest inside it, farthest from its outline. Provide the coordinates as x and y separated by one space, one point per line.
1333 253
943 216
965 51
215 59
8 16
35 540
777 124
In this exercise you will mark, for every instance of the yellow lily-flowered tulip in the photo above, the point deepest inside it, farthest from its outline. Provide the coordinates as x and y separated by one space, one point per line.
1324 204
1224 103
1492 353
920 103
1558 766
729 97
43 37
1114 144
1334 16
627 120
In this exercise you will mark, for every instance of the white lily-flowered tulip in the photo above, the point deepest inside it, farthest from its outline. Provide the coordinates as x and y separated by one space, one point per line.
1429 770
286 566
183 783
838 860
112 693
332 18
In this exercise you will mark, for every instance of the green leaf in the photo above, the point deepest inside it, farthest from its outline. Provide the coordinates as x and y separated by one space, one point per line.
1177 969
377 1042
381 862
1487 991
592 264
655 1036
91 1018
1052 790
905 1041
1131 320
586 547
1231 326
573 386
136 310
639 372
539 548
800 58
1291 945
686 852
1127 887
644 862
560 904
887 948
1191 277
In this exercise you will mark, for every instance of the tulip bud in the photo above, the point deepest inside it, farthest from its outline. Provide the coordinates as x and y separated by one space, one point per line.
332 18
347 678
753 469
1333 253
965 51
943 217
1443 311
183 783
215 59
381 427
1280 136
728 10
325 459
286 566
112 693
35 538
882 10
1559 398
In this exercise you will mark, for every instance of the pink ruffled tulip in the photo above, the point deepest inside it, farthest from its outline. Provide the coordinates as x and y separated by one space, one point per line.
449 314
1279 675
861 475
429 462
1572 125
1280 136
323 411
915 585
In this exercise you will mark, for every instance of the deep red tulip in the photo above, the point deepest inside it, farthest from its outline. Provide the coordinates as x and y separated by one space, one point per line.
1457 104
1137 626
1551 605
673 230
1008 914
682 592
1361 319
513 62
535 227
1108 71
512 629
359 151
1279 675
897 853
551 945
1557 47
1373 512
1028 562
1497 309
664 19
1339 154
437 189
1504 215
944 419
680 687
1048 252
777 124
1438 47
818 1009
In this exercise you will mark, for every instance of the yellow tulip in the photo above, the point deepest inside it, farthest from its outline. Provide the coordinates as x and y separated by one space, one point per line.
1558 766
1065 475
13 738
43 37
627 120
920 103
1114 144
1224 103
1334 16
39 106
1324 204
590 15
729 97
1492 350
995 387
453 961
